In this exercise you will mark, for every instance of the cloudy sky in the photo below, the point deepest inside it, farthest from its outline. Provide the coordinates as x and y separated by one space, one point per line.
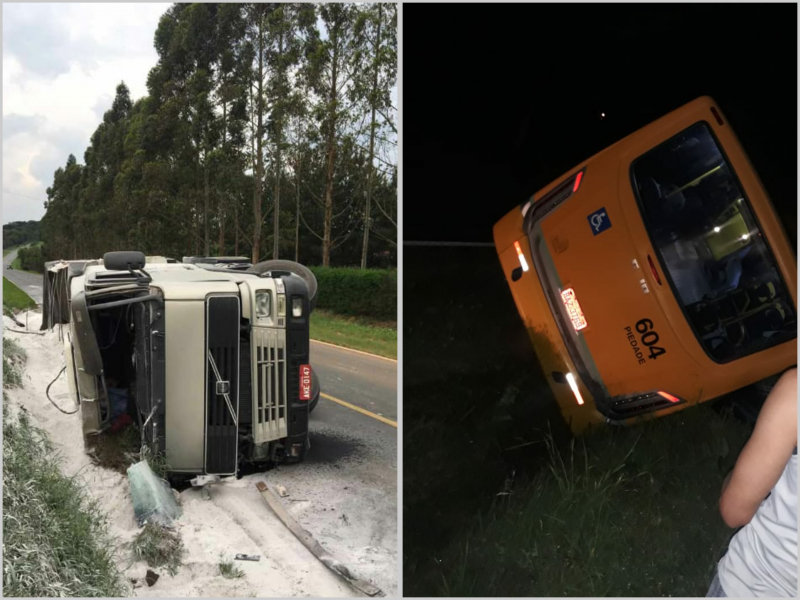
61 64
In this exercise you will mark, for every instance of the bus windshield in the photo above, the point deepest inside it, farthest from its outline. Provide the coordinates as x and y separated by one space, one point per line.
710 246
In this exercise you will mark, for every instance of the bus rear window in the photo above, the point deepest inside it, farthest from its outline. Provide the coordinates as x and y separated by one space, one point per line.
710 246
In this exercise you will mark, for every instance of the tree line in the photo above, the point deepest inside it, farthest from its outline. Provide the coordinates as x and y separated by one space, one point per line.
20 232
268 130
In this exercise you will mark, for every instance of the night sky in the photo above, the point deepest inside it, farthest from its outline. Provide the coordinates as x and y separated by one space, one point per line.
499 100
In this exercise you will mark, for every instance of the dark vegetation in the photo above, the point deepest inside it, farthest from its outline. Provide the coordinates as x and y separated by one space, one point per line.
500 500
55 538
159 547
261 134
30 259
17 233
358 292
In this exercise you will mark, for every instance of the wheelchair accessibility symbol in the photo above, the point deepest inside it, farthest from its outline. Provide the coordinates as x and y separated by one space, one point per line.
599 221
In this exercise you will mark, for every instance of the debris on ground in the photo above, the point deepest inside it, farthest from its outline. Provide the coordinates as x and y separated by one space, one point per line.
151 577
314 546
251 557
152 497
158 547
281 491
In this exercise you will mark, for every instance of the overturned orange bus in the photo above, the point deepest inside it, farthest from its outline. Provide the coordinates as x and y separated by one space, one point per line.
655 275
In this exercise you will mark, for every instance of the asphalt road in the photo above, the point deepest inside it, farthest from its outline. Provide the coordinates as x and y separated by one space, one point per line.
30 283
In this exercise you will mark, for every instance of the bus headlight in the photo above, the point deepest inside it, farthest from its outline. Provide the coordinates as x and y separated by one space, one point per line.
297 307
262 304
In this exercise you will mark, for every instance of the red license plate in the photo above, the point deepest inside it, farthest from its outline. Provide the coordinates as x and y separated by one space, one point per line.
305 382
573 309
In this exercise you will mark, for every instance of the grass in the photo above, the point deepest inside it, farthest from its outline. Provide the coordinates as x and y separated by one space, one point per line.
15 299
11 249
55 539
158 547
622 512
230 571
14 357
359 333
500 500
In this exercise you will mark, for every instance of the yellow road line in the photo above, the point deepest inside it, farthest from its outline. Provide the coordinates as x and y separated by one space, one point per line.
363 411
354 350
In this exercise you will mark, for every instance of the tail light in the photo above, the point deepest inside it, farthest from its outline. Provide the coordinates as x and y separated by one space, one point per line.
653 269
669 397
577 182
523 263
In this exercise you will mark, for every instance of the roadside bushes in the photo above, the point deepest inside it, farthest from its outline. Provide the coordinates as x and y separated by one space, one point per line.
358 292
31 259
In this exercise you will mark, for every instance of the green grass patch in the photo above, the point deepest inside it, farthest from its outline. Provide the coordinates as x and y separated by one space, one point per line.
621 512
230 571
500 500
359 333
14 358
15 299
158 547
55 539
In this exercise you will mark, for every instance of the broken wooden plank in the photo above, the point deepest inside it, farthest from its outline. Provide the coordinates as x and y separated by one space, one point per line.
313 545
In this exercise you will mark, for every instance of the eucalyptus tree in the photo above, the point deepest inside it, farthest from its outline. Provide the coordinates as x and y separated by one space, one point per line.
333 72
376 54
291 32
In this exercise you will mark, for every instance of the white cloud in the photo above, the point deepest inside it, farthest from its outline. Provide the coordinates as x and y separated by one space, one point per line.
61 65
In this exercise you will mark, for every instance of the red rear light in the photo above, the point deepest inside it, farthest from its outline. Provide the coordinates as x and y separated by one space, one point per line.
716 115
669 397
653 269
305 382
577 182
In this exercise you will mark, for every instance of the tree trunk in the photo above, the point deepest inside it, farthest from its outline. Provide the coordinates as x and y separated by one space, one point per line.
331 157
277 192
206 201
297 213
221 248
259 174
236 230
278 169
197 223
220 197
373 100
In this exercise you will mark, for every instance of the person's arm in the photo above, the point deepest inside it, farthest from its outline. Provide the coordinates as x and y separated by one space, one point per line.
765 455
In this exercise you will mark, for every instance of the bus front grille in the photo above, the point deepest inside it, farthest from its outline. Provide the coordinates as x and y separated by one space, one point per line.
222 384
269 403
